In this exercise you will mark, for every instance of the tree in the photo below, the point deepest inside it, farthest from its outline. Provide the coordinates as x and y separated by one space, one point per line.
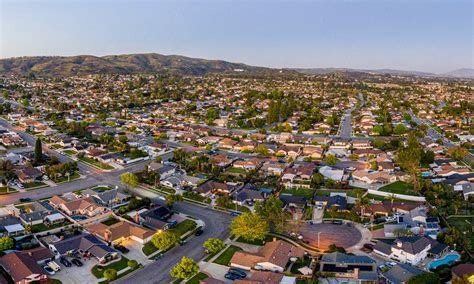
224 201
249 226
392 198
409 159
335 248
185 269
164 240
272 211
401 232
353 157
214 245
129 180
425 278
330 159
132 263
172 198
110 274
458 153
6 243
317 179
38 158
363 203
400 129
262 150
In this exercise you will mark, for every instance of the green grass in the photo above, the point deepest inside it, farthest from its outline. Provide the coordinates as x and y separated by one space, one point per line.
98 271
70 152
400 188
166 189
110 221
6 190
75 176
183 227
196 197
267 239
34 184
149 248
226 256
463 226
43 227
196 278
95 163
308 193
236 171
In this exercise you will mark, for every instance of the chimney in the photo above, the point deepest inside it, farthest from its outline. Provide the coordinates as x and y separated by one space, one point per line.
274 239
136 218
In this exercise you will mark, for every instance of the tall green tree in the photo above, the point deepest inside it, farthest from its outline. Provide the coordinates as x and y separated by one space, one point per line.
214 245
249 226
129 180
185 269
164 240
38 158
272 211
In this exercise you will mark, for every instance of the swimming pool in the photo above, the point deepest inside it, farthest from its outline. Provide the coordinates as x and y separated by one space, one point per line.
447 260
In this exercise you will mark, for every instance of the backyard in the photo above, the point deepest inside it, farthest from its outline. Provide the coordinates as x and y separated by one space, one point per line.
308 193
399 187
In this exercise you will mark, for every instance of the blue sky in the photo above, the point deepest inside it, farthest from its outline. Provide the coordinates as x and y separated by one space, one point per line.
426 35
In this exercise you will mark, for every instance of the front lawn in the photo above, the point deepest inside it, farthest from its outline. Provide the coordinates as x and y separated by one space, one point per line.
7 190
98 271
196 197
183 227
236 171
70 152
75 176
400 188
226 256
30 185
96 164
149 248
308 193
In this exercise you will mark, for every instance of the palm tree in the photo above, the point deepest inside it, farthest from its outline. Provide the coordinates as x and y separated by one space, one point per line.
392 198
363 203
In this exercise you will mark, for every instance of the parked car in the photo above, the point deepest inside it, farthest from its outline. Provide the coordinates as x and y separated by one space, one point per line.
25 199
199 232
232 276
121 248
65 262
238 272
235 213
49 270
76 262
337 222
54 266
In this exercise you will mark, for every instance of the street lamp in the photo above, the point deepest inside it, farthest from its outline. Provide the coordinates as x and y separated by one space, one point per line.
319 234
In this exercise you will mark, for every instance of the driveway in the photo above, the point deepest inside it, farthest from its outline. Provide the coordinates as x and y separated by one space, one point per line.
135 251
77 275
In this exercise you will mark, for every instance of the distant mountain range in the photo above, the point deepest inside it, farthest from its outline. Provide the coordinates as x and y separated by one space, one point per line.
176 64
467 73
122 64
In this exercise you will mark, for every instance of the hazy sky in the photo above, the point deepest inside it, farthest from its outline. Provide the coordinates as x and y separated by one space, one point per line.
427 35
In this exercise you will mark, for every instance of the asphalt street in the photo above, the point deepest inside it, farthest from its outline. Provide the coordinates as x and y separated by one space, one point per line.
217 224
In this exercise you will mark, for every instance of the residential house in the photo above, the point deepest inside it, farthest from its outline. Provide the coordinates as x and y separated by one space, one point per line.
23 268
213 187
86 244
352 268
83 206
273 256
164 170
120 231
261 277
11 226
411 250
155 218
29 174
298 176
400 274
462 273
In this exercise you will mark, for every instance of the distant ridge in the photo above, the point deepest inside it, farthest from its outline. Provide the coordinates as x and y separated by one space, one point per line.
122 64
177 64
466 73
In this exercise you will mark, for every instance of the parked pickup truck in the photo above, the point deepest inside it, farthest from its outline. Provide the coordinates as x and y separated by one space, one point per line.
54 266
